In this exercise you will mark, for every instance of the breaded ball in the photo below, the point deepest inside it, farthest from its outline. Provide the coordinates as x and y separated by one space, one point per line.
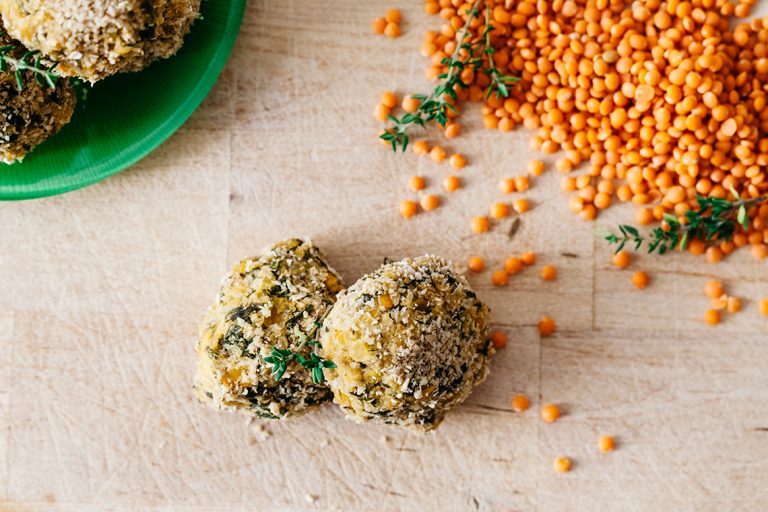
410 341
32 115
277 300
94 39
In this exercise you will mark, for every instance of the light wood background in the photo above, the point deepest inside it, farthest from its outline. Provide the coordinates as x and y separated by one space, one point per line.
101 291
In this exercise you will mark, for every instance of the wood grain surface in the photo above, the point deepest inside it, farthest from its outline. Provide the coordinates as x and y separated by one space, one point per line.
101 291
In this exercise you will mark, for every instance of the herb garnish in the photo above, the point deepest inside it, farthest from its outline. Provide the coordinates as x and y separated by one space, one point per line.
499 82
280 358
31 61
435 107
715 220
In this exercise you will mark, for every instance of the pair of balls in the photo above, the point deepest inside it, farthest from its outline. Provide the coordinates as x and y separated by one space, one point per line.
407 342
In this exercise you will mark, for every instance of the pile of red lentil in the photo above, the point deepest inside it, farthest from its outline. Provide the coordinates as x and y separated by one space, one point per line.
651 102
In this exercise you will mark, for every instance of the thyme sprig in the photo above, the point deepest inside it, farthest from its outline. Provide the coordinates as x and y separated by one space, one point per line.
31 62
436 105
499 82
280 358
715 220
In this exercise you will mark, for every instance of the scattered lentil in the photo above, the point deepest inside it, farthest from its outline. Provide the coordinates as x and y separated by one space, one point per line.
733 305
719 303
437 154
499 339
606 444
409 208
500 278
513 265
507 186
421 147
476 264
562 464
416 183
521 205
429 202
522 183
381 112
550 413
392 30
622 259
458 161
547 326
536 167
713 289
712 317
529 258
410 104
451 184
480 224
499 210
452 131
640 279
520 403
389 99
378 25
548 273
393 16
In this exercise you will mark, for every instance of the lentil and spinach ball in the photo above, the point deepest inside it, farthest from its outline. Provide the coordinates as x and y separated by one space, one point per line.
33 114
93 39
277 300
410 341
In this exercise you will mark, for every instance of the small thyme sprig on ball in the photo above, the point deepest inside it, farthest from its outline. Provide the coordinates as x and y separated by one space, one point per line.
715 220
31 61
435 107
280 358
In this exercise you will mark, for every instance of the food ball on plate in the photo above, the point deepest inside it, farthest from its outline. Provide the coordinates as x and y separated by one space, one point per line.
33 114
94 39
274 301
410 341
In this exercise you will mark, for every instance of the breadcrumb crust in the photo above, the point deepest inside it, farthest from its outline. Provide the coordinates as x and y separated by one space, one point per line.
270 301
410 342
30 116
93 39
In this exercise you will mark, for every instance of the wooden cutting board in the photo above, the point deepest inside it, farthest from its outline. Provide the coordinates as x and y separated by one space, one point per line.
102 290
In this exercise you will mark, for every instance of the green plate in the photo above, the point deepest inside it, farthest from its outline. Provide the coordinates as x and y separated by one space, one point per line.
126 117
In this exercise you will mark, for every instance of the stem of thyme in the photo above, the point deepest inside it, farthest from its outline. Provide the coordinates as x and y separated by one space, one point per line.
435 106
498 82
280 358
31 61
715 220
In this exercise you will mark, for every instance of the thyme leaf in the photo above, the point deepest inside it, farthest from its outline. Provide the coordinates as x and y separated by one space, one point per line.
280 358
715 220
30 62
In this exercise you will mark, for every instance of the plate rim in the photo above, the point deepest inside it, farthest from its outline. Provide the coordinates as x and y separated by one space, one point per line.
162 132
